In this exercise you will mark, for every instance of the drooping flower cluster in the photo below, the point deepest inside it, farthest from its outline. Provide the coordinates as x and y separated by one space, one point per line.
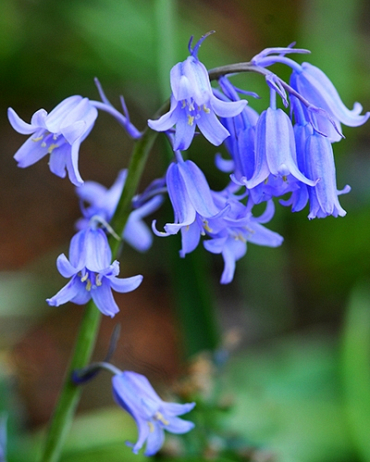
221 216
272 154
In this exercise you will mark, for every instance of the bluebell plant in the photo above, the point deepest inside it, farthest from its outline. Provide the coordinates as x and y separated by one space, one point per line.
283 155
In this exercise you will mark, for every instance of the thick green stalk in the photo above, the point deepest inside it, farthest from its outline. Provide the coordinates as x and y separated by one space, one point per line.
70 394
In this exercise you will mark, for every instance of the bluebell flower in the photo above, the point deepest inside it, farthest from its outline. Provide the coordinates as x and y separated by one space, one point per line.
320 164
58 134
92 273
315 158
98 201
275 150
194 104
313 85
192 203
134 393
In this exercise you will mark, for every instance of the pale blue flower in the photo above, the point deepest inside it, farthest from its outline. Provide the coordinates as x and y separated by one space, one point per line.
134 393
92 273
194 104
58 134
313 85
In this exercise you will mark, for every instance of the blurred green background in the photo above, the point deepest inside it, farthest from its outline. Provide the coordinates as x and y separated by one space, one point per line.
295 319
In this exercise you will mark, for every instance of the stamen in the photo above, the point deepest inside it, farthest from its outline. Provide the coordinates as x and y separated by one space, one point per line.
206 109
51 148
88 285
38 139
151 427
84 277
240 237
183 104
159 416
190 120
43 144
206 226
98 280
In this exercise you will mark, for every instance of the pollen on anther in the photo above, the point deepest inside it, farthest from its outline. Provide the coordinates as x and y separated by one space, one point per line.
38 139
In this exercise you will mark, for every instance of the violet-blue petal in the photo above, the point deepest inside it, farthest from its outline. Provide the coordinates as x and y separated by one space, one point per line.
185 129
197 188
30 153
103 299
183 208
124 285
190 237
155 441
64 266
66 293
57 161
97 251
227 109
212 128
18 124
316 87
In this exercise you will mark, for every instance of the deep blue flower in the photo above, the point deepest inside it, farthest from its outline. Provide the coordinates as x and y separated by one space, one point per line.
98 201
134 393
58 134
311 83
92 273
194 104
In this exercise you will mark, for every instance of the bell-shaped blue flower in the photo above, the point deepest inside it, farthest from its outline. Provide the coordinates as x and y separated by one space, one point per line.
101 202
58 134
92 273
275 151
134 393
194 104
320 164
311 83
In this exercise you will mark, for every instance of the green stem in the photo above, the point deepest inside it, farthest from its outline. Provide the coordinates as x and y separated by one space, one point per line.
70 394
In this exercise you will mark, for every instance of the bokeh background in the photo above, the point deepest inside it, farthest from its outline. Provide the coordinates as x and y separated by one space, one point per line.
294 323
